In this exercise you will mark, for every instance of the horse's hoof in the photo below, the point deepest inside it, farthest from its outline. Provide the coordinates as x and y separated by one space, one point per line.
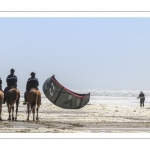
37 118
9 118
13 118
1 119
27 119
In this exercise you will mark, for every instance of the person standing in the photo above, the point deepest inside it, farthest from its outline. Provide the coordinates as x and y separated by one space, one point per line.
142 98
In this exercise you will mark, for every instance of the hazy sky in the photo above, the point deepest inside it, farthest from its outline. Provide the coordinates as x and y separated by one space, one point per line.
82 53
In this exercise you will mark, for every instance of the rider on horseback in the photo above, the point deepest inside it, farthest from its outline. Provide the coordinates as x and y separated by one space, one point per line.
11 82
31 83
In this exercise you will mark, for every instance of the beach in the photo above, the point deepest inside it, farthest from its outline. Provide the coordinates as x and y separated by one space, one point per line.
93 118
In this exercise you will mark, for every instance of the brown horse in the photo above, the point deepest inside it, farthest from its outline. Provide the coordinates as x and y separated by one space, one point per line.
1 101
12 97
33 102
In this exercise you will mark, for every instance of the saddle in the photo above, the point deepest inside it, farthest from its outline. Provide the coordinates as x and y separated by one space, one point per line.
9 88
12 87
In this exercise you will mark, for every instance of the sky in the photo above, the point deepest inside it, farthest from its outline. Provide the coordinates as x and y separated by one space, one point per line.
82 53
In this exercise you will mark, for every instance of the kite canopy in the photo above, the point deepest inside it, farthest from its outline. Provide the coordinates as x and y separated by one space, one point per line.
62 97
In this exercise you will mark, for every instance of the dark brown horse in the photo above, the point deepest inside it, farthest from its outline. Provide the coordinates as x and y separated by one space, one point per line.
1 101
12 97
33 102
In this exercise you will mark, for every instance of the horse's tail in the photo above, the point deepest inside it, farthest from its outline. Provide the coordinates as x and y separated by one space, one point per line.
34 103
16 97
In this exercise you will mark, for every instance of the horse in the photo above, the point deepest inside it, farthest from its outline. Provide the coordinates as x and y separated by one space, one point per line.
1 101
33 102
12 98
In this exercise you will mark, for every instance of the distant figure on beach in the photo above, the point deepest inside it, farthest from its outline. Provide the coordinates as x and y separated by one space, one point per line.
31 83
1 84
11 81
142 98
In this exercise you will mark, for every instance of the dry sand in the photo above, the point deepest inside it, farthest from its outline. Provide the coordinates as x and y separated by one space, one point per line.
93 118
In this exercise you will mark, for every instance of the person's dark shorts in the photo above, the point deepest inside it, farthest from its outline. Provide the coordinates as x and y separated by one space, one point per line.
142 100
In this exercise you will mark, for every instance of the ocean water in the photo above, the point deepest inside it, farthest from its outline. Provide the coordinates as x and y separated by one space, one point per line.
120 97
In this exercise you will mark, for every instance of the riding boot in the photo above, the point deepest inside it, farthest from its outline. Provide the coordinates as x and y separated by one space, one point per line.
25 98
1 90
5 93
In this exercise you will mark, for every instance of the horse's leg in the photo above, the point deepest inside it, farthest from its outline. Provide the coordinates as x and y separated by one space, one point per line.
9 111
0 112
28 111
17 103
33 114
38 105
37 109
13 113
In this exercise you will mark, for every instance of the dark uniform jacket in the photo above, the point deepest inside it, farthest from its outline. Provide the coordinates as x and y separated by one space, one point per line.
32 83
141 96
11 80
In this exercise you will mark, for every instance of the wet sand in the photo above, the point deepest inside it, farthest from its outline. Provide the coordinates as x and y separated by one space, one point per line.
93 118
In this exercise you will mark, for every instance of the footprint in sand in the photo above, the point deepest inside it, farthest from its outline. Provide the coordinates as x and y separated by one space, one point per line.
116 110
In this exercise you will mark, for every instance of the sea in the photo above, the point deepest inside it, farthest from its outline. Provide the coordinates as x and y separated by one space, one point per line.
114 97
